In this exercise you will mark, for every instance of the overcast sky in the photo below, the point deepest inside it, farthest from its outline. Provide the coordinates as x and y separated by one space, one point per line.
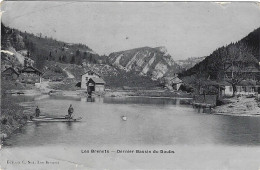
190 29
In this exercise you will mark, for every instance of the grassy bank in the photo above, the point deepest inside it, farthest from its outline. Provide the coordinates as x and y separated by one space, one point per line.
12 115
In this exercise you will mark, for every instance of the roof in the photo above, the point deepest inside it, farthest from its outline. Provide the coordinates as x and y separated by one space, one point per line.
26 69
217 84
176 80
90 71
12 69
98 80
247 83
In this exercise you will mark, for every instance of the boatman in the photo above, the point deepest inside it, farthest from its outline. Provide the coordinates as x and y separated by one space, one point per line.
37 112
70 111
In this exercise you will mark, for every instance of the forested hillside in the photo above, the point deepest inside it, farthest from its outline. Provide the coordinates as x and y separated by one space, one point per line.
213 66
41 49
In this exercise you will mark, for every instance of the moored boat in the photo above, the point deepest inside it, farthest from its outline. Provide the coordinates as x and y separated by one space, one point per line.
54 119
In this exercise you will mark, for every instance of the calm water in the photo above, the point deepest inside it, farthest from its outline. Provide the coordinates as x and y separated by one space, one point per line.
199 140
150 121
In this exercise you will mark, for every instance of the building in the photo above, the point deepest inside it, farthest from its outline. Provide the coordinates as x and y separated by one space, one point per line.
249 73
96 84
245 87
85 78
176 83
245 67
244 70
171 82
30 75
10 74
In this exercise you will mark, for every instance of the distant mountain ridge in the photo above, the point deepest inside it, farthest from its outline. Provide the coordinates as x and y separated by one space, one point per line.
190 62
153 62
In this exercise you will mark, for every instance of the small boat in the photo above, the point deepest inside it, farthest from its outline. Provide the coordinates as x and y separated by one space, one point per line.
54 119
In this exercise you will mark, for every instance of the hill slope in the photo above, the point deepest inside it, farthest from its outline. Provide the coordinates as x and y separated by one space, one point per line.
41 48
248 47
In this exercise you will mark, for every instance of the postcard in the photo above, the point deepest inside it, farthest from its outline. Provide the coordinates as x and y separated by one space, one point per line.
126 85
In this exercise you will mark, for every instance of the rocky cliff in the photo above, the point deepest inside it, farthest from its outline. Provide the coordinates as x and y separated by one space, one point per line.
153 62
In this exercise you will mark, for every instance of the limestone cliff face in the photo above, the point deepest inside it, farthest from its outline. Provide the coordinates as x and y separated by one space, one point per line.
153 62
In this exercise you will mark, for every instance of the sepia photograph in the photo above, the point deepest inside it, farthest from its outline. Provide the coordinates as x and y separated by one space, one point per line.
130 85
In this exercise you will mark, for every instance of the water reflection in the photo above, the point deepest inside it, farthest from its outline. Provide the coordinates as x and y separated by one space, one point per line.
69 125
90 99
147 100
74 98
204 110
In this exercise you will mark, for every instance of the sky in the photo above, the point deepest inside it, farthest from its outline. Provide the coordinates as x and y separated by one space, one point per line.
186 29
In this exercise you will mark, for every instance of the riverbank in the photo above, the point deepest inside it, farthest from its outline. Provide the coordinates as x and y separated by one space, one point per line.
239 106
13 116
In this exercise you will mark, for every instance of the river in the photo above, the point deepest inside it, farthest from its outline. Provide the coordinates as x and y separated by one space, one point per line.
199 140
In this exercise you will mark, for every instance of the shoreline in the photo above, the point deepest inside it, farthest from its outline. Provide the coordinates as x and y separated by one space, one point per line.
239 106
14 117
237 115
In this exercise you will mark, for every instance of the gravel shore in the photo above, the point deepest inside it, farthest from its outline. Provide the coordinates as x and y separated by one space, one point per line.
239 106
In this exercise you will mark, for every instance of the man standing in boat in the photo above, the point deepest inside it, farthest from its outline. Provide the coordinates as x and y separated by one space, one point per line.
70 111
37 112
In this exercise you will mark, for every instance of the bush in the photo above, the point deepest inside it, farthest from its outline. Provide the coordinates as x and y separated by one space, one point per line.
4 121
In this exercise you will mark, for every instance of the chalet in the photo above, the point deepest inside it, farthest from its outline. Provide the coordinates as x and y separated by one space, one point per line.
10 74
245 87
85 78
176 83
244 67
246 71
172 82
96 84
30 75
249 73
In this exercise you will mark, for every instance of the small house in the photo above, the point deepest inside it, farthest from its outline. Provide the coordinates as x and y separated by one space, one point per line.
30 75
10 74
96 84
176 83
86 77
245 87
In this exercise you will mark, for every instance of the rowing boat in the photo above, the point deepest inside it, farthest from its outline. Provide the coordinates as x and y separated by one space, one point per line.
54 119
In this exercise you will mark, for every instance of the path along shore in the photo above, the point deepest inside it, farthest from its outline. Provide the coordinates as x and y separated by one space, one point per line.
239 106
